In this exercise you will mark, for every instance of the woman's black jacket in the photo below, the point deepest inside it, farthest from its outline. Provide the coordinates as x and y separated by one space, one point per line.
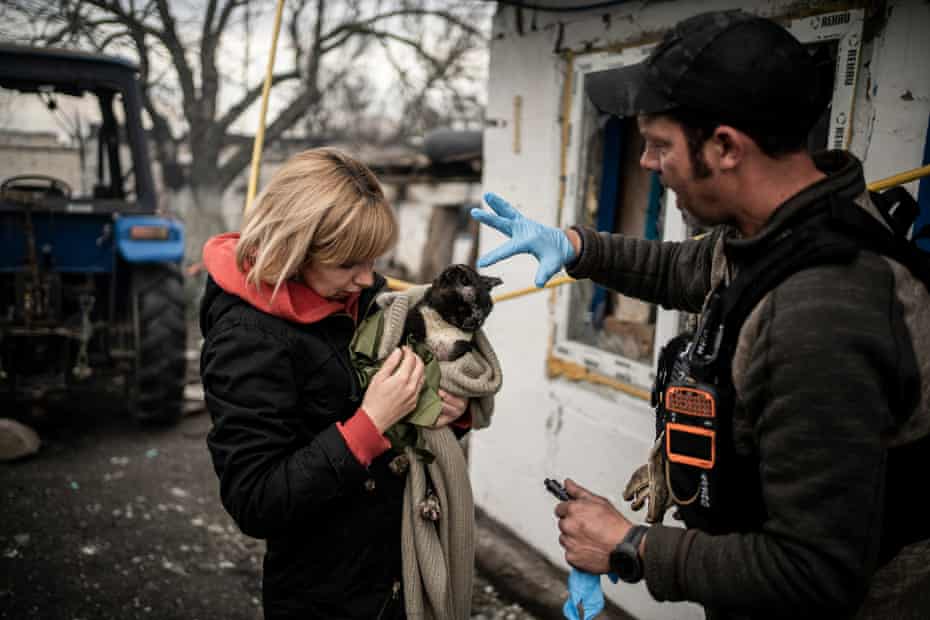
275 391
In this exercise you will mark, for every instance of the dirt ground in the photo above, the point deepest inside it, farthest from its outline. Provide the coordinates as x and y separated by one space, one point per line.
113 521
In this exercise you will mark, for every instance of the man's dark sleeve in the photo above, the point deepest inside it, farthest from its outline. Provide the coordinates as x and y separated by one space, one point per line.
673 274
271 478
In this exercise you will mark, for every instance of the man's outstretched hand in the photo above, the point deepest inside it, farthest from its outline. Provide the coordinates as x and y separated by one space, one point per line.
550 246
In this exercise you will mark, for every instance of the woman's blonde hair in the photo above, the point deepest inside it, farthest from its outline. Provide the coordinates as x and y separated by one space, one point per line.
323 207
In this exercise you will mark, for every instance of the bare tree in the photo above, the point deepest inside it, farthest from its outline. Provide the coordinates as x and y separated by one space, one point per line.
190 53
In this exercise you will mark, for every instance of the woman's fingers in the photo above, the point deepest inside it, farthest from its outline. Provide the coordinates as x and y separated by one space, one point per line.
391 362
395 389
407 379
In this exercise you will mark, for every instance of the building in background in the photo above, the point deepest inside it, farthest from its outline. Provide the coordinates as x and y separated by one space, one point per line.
579 362
24 152
431 186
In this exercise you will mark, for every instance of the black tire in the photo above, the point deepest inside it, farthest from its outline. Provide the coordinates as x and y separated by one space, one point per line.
156 389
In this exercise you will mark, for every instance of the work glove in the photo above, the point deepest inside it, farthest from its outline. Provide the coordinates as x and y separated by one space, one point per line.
648 484
550 246
584 589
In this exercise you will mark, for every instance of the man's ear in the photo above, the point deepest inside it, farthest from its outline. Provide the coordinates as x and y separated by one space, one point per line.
728 147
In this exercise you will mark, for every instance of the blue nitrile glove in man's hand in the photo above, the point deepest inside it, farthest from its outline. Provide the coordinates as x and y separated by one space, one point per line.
584 588
549 245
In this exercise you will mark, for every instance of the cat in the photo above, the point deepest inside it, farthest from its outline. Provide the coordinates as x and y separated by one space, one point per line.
453 308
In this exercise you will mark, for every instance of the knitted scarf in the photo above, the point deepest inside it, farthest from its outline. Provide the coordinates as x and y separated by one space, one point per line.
438 555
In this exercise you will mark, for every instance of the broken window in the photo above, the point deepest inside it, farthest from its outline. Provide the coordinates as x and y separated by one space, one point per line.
616 195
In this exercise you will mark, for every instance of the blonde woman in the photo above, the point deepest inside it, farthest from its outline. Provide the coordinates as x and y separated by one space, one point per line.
298 449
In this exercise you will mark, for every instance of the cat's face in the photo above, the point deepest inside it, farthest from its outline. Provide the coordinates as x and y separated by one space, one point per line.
462 296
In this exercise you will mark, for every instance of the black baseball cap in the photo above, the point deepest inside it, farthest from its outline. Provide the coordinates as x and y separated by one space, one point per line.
736 68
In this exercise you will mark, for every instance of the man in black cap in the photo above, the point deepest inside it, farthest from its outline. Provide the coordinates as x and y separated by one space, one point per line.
790 424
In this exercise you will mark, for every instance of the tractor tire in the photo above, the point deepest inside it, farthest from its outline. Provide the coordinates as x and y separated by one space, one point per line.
156 389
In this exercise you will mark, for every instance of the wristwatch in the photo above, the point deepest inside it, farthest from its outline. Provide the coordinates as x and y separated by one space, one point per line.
624 559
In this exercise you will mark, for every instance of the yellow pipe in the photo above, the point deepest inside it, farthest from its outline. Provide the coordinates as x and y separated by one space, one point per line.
558 367
401 285
532 289
900 179
266 89
398 285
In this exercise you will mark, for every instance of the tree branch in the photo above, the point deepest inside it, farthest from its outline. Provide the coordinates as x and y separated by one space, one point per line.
176 50
206 29
227 11
125 17
367 23
209 73
249 98
243 154
163 140
414 45
295 110
316 53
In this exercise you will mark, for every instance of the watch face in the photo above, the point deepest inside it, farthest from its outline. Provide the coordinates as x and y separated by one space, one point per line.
625 563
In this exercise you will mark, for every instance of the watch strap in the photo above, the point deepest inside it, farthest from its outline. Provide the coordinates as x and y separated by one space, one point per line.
635 535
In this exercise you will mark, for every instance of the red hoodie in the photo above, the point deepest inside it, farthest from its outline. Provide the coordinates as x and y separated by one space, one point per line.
295 301
298 303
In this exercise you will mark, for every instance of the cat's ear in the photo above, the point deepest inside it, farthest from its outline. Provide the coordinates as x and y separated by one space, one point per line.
491 281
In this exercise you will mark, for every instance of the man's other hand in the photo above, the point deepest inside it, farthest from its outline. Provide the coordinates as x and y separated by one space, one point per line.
590 529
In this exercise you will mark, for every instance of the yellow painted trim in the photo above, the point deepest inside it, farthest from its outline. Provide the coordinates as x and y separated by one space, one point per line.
558 367
566 131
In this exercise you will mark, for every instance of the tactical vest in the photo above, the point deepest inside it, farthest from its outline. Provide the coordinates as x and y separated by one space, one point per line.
715 489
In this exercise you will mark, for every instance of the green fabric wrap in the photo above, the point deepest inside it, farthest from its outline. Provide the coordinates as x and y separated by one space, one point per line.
363 352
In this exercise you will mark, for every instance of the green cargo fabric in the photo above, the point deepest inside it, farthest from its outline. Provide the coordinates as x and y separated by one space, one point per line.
364 356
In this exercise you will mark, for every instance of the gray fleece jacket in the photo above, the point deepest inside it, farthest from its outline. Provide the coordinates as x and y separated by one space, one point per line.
831 368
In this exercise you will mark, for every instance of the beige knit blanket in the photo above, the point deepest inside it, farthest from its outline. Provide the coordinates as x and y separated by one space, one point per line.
439 556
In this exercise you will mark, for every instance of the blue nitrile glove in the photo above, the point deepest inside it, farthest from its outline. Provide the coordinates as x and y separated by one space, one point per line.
584 588
549 245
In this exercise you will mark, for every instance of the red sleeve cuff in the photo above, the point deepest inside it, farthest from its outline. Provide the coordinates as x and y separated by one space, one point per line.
463 422
363 438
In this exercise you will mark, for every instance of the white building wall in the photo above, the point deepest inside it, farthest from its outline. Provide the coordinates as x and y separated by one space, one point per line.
414 213
63 162
894 94
596 435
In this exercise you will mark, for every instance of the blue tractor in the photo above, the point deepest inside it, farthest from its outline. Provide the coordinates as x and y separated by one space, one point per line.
91 289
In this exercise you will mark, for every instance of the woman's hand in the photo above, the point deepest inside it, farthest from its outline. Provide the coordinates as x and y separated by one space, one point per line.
394 389
452 409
